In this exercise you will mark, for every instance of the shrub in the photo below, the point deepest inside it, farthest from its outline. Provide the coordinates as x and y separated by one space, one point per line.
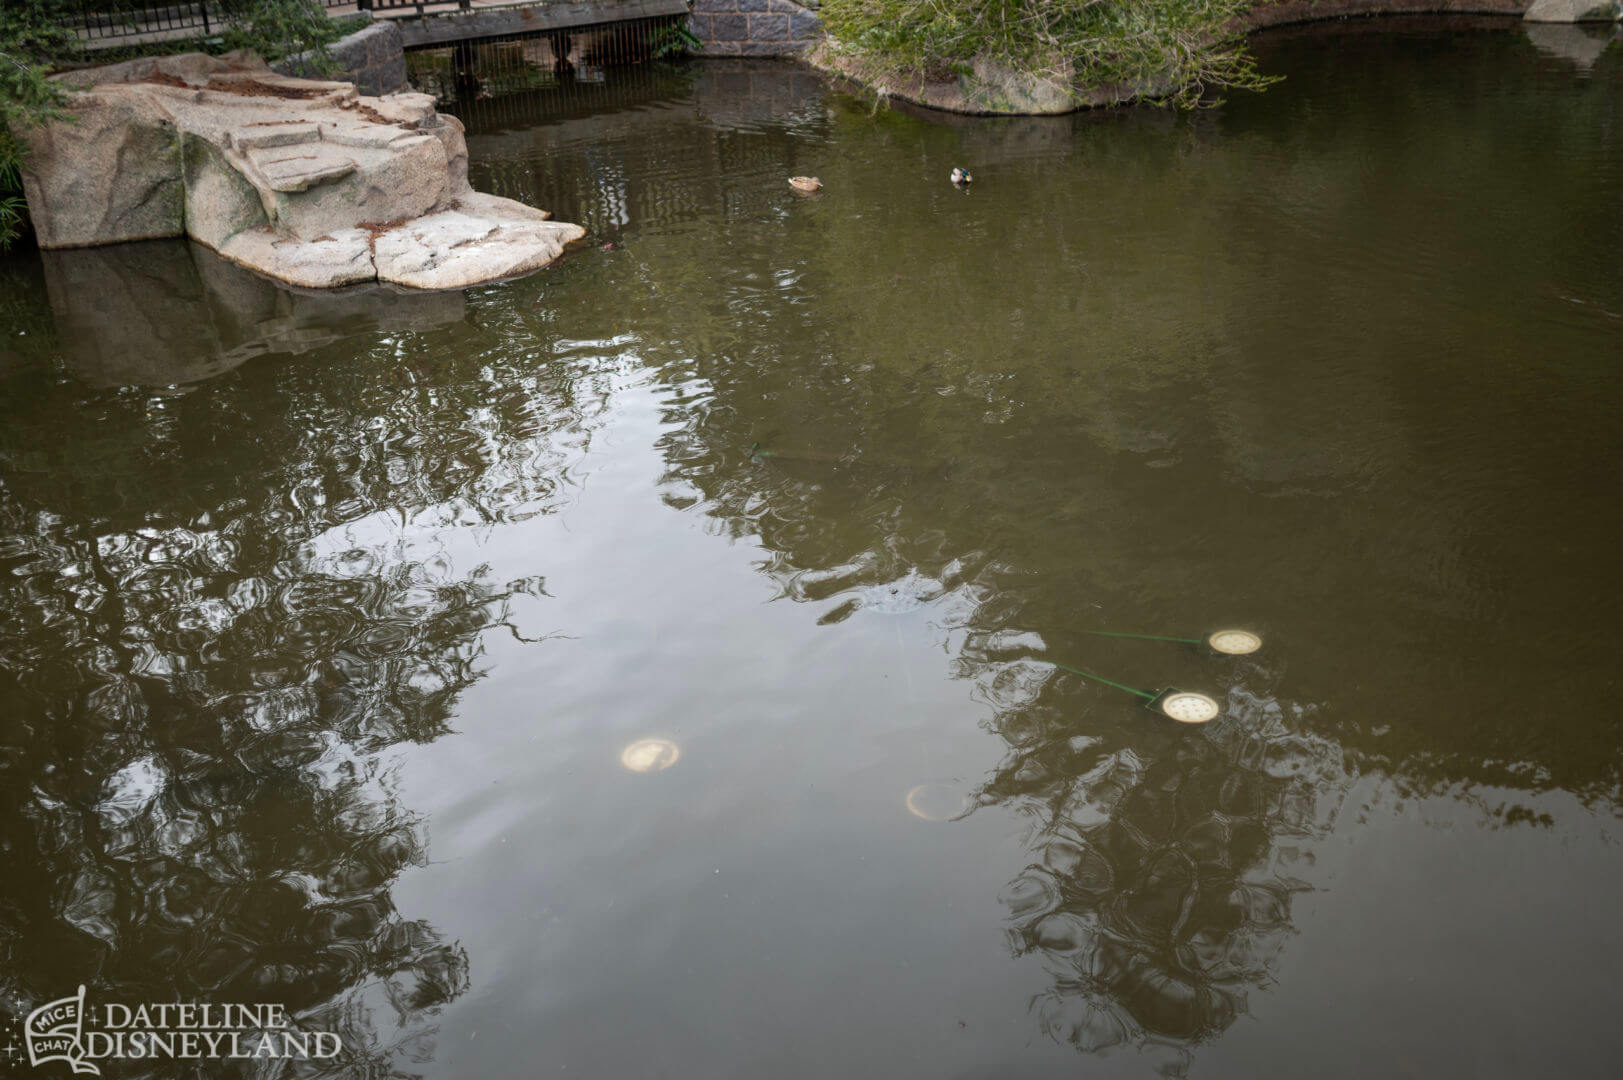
673 39
1178 49
30 31
278 28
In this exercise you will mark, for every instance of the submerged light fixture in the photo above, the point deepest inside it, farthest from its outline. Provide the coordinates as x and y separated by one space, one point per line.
1184 706
937 801
1233 642
1230 642
650 755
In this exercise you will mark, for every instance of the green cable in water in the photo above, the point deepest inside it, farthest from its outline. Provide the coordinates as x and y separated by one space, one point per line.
1100 678
1143 637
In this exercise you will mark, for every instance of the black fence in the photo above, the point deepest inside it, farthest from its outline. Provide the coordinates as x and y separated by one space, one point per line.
98 20
388 5
469 73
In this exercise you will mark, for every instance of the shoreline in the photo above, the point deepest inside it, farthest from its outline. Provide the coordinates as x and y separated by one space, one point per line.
1045 98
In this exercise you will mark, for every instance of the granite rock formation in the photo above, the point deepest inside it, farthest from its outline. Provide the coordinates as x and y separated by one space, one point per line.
306 181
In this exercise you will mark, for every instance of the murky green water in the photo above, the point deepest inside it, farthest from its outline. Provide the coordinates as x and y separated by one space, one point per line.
317 671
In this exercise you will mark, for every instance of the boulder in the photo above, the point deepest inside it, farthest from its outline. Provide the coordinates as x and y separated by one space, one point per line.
1573 11
998 88
298 179
222 201
454 248
373 58
343 257
113 174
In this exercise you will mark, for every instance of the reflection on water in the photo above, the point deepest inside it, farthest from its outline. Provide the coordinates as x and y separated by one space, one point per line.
218 624
282 579
167 312
197 807
1161 890
1581 43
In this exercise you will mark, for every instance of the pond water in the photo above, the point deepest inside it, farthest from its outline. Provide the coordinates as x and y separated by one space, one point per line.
647 668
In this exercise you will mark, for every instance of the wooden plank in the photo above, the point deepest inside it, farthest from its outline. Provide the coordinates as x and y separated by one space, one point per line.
488 22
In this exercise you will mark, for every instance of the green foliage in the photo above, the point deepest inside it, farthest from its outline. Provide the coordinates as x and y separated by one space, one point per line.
673 39
278 28
12 209
30 32
1172 50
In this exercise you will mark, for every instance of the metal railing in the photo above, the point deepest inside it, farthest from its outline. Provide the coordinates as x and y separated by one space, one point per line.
97 20
393 5
473 70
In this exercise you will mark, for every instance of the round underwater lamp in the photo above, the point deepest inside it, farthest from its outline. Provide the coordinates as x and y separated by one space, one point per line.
1184 706
1229 642
650 755
937 802
1233 642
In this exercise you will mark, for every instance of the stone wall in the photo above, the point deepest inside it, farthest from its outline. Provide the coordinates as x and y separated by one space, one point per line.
1283 12
754 27
374 59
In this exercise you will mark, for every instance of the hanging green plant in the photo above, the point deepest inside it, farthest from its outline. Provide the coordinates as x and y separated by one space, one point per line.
673 39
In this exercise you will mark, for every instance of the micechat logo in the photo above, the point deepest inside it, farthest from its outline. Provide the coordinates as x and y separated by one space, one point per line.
78 1035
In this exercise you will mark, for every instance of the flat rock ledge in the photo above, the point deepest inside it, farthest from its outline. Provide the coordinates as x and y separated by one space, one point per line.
302 180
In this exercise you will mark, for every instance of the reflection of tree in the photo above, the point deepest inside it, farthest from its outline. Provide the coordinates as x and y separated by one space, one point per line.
1155 900
211 634
1114 441
593 153
1162 888
202 813
1120 430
